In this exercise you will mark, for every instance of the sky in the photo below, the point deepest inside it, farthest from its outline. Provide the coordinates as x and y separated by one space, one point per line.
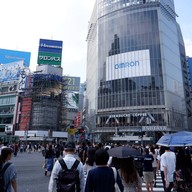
24 22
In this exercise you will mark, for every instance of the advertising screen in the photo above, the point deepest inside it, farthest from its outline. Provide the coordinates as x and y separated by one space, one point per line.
9 56
129 64
50 52
72 100
11 71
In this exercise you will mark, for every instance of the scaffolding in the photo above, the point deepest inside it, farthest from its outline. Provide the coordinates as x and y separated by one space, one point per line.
44 112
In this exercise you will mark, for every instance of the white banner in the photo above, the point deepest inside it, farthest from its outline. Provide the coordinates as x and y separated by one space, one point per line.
129 64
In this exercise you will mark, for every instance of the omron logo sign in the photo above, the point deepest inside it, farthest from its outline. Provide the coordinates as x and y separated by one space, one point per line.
126 64
129 64
49 58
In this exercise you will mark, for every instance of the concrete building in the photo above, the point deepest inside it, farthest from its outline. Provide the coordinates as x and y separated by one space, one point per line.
12 63
135 66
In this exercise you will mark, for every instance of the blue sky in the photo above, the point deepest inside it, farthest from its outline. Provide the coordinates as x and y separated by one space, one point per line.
24 22
184 8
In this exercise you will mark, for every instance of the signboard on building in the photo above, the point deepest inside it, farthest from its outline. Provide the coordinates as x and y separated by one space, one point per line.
154 128
50 52
72 100
78 118
9 56
9 128
72 83
11 71
25 114
129 64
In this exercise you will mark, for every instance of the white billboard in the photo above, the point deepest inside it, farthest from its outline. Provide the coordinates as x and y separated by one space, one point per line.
72 100
11 71
129 64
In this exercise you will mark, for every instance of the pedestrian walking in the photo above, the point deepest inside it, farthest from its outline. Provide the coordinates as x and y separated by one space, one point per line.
15 149
82 152
131 180
159 165
69 159
168 161
101 178
49 159
153 152
10 174
89 163
148 170
29 147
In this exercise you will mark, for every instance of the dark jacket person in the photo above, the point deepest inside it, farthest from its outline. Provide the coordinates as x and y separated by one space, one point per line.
101 178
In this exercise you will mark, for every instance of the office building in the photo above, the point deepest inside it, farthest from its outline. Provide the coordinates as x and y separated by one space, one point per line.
135 60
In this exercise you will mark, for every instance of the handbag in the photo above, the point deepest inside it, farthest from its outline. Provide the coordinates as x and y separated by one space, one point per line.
116 186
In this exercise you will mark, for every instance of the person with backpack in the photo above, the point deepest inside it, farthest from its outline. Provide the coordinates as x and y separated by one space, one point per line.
8 171
67 174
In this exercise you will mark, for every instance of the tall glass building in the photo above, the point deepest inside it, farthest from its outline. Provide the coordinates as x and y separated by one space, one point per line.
135 58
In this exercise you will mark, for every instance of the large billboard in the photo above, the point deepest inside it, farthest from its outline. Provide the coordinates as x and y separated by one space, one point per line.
72 86
129 64
72 100
50 52
72 83
9 56
11 71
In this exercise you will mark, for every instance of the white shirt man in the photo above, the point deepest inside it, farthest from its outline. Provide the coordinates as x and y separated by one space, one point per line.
168 163
69 160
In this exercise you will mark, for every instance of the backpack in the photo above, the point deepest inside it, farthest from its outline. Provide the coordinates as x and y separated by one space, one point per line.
2 171
68 179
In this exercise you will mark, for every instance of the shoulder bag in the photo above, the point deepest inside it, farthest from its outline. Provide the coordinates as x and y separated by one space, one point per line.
116 186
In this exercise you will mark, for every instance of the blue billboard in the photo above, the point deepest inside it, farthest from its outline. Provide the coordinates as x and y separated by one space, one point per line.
50 46
9 56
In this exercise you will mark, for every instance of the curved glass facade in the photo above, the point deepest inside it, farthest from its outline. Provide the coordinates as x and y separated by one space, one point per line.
128 34
139 77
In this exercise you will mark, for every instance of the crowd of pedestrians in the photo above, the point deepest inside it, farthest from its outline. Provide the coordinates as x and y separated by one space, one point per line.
131 172
97 166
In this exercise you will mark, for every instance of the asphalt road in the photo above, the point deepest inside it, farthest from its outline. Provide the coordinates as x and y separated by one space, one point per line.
30 174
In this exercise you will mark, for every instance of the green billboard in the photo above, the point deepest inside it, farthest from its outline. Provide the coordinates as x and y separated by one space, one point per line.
45 58
50 52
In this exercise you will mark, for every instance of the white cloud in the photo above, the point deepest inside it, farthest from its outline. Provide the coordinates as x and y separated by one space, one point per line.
188 46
